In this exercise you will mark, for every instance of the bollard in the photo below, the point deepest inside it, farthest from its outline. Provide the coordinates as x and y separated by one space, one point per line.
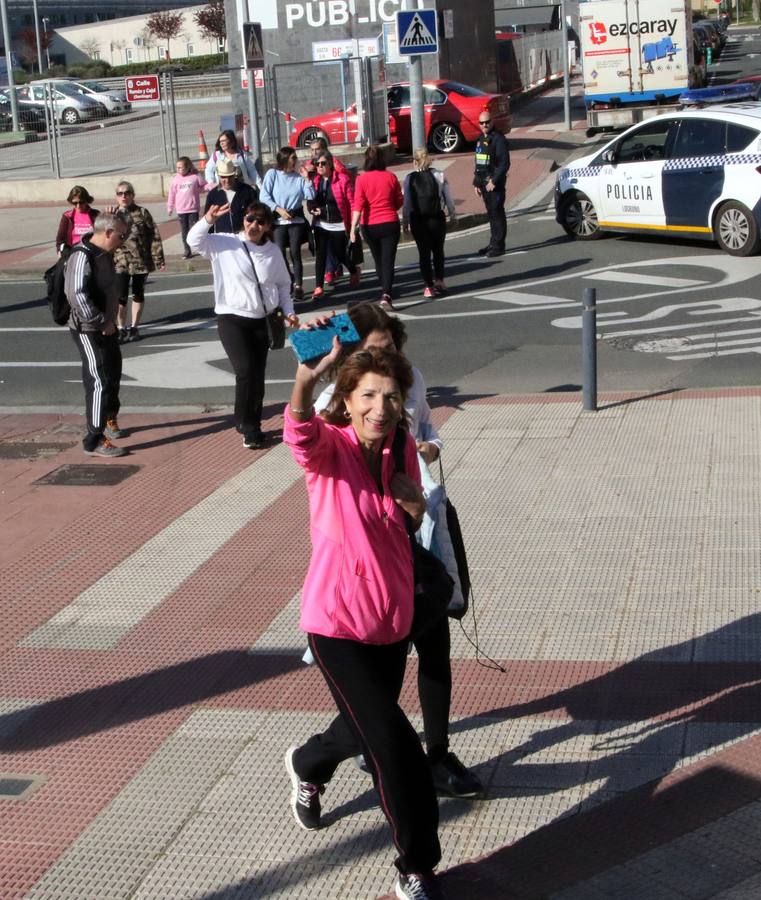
589 347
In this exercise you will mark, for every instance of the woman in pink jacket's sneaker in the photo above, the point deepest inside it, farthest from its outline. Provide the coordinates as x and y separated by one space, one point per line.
357 600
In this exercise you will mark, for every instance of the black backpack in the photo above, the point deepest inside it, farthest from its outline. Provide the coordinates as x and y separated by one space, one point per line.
424 191
55 279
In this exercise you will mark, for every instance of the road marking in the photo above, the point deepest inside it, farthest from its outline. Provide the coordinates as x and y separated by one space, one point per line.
685 327
640 278
704 308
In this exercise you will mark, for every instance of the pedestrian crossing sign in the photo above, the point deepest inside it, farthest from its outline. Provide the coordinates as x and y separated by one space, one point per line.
416 32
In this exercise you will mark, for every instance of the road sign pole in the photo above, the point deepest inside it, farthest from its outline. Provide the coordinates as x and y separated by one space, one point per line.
253 119
417 112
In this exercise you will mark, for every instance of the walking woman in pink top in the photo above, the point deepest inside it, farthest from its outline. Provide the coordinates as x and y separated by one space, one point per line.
77 221
357 600
377 200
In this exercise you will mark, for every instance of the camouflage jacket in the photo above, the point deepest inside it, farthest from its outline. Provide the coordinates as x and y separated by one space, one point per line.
143 251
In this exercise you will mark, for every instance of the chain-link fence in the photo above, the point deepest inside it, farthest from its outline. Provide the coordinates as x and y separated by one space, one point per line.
149 138
343 100
529 61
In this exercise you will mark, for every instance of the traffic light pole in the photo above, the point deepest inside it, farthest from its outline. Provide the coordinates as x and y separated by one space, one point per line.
417 112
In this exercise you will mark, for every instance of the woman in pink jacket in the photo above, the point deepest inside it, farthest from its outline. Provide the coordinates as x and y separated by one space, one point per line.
331 220
357 600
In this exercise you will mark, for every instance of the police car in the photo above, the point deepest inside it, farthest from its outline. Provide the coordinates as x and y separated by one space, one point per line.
692 173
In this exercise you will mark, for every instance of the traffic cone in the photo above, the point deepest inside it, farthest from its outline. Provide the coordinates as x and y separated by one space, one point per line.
203 153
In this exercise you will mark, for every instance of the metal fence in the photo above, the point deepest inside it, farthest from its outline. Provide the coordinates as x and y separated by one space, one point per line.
352 87
529 61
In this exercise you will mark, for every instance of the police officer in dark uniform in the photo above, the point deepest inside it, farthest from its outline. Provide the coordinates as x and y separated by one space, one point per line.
490 181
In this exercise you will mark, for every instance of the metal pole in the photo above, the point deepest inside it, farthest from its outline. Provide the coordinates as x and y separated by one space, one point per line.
255 141
37 36
566 73
49 126
162 92
173 118
417 113
343 65
55 133
275 113
589 347
45 21
9 64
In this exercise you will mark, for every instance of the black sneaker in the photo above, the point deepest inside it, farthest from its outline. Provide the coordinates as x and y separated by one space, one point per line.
305 797
494 252
418 887
484 250
450 777
254 441
123 335
134 334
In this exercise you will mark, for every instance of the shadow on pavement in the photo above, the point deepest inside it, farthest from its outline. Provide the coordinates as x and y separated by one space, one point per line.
133 699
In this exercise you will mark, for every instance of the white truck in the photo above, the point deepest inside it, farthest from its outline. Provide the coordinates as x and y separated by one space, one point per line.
637 56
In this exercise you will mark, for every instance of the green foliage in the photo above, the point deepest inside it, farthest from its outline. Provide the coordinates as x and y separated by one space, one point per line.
191 64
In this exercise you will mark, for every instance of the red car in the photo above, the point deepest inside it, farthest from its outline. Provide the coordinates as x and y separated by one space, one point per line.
451 117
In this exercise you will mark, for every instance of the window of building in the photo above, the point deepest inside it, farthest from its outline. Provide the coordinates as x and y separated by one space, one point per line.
191 51
220 45
128 55
161 52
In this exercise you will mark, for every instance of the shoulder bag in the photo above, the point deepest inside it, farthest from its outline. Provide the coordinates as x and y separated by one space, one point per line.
433 584
275 320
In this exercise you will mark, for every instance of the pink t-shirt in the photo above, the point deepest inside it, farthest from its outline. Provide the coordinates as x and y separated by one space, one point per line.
80 226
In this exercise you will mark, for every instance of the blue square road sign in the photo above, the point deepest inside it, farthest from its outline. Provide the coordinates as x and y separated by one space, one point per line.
417 32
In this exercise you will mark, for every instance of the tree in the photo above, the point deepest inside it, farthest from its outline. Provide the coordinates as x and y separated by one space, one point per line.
165 25
28 38
117 45
211 21
90 46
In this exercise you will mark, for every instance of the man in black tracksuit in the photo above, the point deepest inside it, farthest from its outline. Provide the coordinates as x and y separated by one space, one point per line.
490 181
92 292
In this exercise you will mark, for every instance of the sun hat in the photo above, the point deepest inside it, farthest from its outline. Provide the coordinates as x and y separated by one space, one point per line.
227 169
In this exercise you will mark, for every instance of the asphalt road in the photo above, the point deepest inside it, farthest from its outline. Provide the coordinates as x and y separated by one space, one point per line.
671 315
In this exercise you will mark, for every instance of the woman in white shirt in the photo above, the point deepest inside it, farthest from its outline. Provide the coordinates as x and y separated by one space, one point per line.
250 281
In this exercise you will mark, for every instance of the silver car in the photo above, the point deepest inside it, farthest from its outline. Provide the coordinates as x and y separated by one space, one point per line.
114 101
71 107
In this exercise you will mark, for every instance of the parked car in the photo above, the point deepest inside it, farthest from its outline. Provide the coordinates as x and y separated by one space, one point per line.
687 174
29 118
71 107
451 117
114 101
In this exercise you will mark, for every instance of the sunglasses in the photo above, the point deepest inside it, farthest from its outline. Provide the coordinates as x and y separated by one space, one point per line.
79 202
323 162
257 219
124 193
485 122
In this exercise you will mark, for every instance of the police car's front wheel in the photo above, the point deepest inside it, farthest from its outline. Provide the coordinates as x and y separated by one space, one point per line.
736 230
579 218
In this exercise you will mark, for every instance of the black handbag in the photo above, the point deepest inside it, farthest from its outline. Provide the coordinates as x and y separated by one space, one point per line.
433 584
275 320
354 252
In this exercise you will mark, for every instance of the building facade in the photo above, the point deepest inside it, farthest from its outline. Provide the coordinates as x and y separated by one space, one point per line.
127 40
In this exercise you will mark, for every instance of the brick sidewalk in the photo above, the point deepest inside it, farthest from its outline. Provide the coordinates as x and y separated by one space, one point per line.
150 673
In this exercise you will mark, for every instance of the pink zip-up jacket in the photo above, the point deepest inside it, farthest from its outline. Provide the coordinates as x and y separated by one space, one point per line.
185 193
359 585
